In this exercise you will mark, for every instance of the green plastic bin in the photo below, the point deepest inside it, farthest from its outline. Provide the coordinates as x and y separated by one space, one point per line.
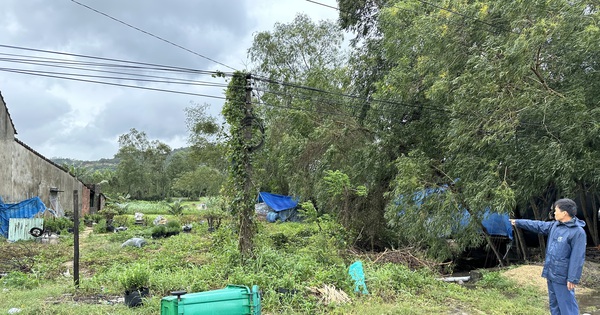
233 300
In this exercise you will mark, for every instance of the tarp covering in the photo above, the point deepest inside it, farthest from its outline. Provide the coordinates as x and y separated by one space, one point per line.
25 209
277 202
496 224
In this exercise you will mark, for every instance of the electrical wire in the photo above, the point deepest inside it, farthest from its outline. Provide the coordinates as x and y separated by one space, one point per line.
144 66
172 79
110 83
156 66
150 34
113 78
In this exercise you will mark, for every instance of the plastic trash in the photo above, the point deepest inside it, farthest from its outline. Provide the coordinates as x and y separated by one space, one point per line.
159 220
14 310
356 272
136 241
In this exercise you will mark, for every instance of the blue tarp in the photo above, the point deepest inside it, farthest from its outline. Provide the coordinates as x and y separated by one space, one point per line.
277 202
280 207
25 209
496 224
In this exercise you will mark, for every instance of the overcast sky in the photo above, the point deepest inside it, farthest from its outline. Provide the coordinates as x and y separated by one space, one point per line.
79 120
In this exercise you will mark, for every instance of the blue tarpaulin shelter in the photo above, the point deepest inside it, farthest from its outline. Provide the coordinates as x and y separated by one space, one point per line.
25 209
280 206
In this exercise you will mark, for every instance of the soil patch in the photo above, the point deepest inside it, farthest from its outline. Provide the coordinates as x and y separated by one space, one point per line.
586 292
532 275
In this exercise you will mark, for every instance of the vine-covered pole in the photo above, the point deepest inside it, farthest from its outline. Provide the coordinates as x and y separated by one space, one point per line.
238 113
246 214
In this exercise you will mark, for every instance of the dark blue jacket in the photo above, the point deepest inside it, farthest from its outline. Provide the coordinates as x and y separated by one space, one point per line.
565 252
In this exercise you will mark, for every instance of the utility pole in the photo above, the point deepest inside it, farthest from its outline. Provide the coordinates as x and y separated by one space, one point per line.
246 235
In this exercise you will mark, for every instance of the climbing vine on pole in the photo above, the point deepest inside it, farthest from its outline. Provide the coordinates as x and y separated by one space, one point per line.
237 111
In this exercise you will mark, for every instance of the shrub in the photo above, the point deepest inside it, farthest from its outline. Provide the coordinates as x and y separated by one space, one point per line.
20 280
176 208
159 231
100 227
135 277
58 225
123 220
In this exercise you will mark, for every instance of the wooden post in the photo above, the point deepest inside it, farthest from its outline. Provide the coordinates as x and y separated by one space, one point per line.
76 238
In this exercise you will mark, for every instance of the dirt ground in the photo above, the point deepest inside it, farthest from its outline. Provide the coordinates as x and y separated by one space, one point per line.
532 275
587 292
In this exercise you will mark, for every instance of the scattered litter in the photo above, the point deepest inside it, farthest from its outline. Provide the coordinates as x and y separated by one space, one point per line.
459 280
159 220
120 229
187 228
139 218
136 241
14 310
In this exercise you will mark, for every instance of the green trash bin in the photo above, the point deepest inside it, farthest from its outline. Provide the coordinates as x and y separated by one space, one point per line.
232 300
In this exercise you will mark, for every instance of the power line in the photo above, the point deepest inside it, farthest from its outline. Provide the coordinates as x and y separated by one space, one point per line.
117 78
44 62
348 95
325 5
132 75
158 66
33 73
150 34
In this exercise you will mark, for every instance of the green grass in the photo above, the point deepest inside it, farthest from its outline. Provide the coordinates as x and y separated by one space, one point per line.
292 256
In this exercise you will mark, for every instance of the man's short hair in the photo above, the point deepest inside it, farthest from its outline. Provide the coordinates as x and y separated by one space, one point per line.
567 205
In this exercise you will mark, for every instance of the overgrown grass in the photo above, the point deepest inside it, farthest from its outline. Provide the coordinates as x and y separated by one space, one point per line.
290 256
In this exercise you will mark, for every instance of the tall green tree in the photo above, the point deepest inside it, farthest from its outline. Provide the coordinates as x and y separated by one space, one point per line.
496 109
312 126
142 168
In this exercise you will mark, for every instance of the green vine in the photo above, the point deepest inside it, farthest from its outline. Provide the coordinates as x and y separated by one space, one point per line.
239 148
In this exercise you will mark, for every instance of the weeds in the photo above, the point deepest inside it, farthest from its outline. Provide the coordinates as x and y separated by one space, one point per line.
289 259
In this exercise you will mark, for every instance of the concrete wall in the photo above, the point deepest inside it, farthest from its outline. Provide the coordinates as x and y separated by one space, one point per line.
7 131
24 173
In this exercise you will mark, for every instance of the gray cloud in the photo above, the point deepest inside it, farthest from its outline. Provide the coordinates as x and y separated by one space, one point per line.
61 118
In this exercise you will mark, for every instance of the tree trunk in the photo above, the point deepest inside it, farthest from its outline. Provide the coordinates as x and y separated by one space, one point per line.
590 222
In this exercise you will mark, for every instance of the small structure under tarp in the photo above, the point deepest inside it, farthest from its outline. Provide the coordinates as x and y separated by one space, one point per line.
280 207
25 209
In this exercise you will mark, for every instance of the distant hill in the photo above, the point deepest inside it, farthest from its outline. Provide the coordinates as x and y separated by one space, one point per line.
101 164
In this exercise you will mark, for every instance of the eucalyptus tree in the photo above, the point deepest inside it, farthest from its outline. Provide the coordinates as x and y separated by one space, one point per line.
494 102
312 123
142 166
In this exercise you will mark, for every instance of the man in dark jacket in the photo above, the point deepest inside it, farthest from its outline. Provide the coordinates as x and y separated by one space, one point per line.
565 254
